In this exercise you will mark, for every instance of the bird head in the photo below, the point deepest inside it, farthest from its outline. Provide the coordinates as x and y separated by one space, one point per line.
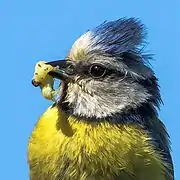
107 72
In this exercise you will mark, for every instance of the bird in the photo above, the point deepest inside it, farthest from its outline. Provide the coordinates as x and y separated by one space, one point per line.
104 122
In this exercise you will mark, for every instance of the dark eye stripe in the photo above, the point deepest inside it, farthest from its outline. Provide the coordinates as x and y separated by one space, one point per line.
85 70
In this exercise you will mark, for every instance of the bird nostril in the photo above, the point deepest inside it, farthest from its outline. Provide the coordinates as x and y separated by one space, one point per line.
35 83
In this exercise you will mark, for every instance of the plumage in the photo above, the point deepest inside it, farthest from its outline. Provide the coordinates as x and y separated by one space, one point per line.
104 123
77 149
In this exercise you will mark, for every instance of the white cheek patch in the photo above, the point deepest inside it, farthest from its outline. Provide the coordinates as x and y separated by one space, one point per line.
101 105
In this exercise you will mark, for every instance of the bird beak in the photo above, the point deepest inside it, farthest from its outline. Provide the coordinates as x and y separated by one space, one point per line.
60 70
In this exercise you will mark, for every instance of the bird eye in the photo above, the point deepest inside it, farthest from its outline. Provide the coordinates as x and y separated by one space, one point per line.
97 71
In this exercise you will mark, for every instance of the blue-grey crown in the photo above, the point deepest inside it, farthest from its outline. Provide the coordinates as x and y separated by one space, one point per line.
118 36
112 38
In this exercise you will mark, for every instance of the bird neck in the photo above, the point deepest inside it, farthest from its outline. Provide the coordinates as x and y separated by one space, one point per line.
136 115
128 116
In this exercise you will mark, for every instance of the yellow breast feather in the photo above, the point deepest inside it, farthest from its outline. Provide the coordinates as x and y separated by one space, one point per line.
77 150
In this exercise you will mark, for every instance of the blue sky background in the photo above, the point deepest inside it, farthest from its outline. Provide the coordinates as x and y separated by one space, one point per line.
32 30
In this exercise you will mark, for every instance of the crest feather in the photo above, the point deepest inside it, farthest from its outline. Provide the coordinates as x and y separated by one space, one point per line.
114 38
